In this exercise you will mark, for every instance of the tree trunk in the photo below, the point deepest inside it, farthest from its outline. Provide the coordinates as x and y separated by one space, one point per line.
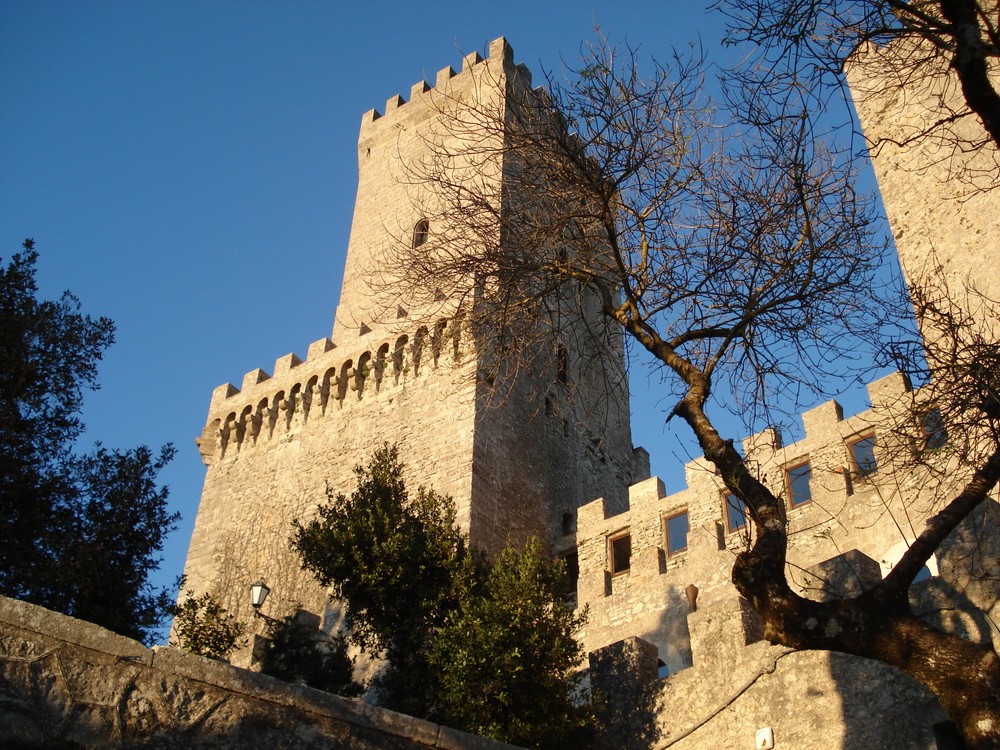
879 624
970 62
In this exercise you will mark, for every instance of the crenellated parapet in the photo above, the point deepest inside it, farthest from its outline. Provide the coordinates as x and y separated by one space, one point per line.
848 484
447 81
330 377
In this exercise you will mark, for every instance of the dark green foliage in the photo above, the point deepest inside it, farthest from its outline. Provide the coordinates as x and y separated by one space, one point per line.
121 520
508 658
204 627
487 648
78 533
397 562
299 653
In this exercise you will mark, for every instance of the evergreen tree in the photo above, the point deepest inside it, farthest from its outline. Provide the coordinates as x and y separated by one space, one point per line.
397 563
299 653
78 533
508 660
485 647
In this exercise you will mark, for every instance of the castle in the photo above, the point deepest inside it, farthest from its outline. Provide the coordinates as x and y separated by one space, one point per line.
652 568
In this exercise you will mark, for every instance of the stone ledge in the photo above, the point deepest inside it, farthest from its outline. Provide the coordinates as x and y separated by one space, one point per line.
187 679
34 619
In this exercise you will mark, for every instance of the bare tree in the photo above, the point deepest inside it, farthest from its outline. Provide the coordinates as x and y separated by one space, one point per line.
949 46
742 259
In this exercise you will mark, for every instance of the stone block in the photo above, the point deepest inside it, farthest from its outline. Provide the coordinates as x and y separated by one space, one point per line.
841 577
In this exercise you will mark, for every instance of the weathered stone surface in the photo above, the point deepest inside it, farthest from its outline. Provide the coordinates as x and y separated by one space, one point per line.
68 683
724 683
540 462
396 370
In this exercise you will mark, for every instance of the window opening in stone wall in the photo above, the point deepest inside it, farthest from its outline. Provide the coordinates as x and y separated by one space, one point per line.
863 455
562 364
935 434
571 575
621 554
736 513
677 533
568 526
797 479
420 232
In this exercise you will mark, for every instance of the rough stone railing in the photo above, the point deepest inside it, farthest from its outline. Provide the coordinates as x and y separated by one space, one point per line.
69 683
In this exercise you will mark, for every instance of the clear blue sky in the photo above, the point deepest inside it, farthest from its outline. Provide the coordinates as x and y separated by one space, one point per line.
188 169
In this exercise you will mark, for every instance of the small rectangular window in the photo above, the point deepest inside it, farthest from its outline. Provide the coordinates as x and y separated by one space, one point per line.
797 478
621 554
736 513
935 434
571 575
863 455
562 364
677 533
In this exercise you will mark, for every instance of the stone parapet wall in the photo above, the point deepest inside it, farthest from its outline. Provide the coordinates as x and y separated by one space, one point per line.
332 377
877 515
720 683
810 699
274 463
69 683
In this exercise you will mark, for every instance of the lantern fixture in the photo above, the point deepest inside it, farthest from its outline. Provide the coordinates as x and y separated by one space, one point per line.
258 593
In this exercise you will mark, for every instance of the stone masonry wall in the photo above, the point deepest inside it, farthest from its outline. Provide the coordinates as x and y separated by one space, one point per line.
273 448
390 198
516 465
939 188
721 682
71 684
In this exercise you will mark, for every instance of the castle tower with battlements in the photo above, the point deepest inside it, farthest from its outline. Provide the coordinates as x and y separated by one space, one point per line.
397 369
554 456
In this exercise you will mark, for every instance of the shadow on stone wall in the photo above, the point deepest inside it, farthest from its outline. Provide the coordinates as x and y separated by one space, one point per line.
878 700
959 600
623 679
953 601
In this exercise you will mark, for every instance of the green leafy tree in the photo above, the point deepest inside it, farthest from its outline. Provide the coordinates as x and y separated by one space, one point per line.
397 562
78 533
486 648
299 653
204 627
508 658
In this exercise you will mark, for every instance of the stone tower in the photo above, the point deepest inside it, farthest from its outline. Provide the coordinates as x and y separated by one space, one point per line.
935 167
395 371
